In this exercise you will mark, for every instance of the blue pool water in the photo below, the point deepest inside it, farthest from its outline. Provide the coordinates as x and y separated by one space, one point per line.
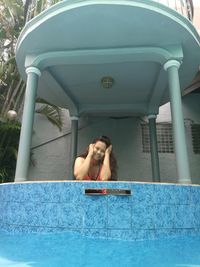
60 250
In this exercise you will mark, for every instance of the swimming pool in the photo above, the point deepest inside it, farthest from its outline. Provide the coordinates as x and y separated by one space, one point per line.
57 224
71 250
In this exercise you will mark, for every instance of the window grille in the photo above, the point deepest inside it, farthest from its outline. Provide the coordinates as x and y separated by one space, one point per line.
164 138
196 138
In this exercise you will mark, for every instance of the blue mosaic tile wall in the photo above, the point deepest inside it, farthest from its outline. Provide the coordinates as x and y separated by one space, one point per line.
152 211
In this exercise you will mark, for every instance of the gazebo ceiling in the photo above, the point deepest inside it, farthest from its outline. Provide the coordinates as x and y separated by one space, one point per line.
76 44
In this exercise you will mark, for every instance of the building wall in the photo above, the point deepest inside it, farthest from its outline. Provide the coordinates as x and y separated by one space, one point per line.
196 18
51 148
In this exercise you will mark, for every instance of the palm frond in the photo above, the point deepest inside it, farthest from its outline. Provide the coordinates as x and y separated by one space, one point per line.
13 15
51 112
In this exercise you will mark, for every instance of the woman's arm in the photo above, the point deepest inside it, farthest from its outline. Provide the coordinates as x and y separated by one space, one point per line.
106 170
81 166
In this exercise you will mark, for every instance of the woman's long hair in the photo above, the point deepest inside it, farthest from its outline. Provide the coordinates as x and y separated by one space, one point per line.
113 161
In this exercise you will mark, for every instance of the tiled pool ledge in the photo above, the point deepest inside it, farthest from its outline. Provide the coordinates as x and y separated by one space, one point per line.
152 211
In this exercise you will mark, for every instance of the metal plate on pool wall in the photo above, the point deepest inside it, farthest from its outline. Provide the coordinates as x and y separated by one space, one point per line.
107 191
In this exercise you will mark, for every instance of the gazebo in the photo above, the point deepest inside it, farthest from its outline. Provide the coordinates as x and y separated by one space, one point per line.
108 58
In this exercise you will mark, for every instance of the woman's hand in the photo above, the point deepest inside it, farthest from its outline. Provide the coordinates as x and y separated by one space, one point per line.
109 150
91 150
106 170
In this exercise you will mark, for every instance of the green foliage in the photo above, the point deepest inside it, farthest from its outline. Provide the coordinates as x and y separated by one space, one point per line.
11 86
9 141
13 16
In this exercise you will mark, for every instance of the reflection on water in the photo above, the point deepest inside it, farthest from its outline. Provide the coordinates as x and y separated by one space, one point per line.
70 250
6 262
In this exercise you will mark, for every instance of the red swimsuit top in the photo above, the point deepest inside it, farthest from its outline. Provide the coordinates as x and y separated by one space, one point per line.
97 178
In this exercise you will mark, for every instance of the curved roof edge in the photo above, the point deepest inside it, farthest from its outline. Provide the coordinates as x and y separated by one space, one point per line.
68 5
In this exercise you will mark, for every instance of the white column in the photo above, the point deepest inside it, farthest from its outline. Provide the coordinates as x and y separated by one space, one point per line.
183 170
154 148
74 139
24 149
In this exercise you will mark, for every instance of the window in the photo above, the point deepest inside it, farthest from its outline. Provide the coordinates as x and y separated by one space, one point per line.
164 138
196 138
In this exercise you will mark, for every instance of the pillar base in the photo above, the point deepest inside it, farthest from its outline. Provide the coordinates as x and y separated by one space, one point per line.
185 181
20 180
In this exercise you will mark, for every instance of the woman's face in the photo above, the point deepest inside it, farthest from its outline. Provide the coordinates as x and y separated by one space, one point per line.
99 150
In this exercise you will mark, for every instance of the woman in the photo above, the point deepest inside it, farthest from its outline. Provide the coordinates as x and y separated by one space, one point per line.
97 163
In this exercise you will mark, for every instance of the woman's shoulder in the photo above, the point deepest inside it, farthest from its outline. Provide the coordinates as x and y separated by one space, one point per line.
80 158
78 161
